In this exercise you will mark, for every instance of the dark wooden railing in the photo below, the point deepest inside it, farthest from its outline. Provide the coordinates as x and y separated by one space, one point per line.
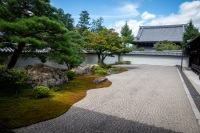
196 69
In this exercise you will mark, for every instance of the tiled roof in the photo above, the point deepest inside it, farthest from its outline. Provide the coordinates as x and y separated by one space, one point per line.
11 50
159 33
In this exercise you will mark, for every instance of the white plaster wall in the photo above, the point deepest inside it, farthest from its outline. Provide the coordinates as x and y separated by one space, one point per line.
23 62
156 60
92 59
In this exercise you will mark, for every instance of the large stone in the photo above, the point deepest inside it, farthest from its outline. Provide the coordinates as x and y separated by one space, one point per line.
100 80
41 74
83 70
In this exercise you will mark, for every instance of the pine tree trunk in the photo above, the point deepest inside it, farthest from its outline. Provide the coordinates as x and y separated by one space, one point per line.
119 57
16 55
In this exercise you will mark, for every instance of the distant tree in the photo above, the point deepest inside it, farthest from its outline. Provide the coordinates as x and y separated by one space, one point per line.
190 33
69 22
105 43
166 45
83 23
126 34
96 25
126 37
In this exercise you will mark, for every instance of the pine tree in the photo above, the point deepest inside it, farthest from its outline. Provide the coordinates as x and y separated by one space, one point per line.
83 23
190 33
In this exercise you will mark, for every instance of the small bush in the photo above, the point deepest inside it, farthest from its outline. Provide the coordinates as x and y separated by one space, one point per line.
118 62
56 88
127 62
122 62
70 74
12 80
141 49
105 66
40 92
100 72
166 45
113 69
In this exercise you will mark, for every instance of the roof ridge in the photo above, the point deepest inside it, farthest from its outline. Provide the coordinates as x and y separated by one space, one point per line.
163 26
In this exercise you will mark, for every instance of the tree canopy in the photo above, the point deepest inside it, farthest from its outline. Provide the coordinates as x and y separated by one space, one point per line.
105 43
83 23
37 23
126 33
190 33
166 45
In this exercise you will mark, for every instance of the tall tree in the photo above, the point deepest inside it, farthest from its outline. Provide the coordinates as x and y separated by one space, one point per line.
97 26
69 22
83 23
105 43
190 33
32 22
126 37
126 34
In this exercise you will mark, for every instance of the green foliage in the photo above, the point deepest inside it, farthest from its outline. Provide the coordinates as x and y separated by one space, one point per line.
140 49
97 25
99 70
127 62
83 23
70 74
40 92
190 33
113 69
122 62
44 27
106 43
126 34
105 66
12 80
56 88
166 45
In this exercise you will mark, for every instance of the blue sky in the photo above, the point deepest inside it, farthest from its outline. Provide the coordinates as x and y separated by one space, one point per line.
135 12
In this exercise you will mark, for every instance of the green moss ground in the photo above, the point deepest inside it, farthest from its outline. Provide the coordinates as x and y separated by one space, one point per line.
23 110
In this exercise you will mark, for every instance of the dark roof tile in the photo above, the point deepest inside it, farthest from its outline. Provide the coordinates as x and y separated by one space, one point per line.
159 33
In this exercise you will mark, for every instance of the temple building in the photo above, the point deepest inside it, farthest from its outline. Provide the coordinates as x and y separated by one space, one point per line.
149 35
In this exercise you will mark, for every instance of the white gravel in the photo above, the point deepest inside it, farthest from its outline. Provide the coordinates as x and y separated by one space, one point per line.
146 99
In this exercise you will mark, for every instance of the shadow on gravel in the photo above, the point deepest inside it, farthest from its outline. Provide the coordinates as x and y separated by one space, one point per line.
86 121
195 95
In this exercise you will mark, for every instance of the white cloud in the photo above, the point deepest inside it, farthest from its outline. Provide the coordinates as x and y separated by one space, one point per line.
129 9
133 24
145 15
187 11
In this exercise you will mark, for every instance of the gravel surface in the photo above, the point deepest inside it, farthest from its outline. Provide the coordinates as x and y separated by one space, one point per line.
146 99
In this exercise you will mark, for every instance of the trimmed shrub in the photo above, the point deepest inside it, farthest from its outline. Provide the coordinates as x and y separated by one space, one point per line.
70 74
166 45
12 80
118 62
113 69
141 49
56 88
100 72
122 62
105 66
40 92
127 62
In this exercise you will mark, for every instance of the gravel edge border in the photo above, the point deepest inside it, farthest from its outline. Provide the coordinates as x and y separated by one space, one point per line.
192 103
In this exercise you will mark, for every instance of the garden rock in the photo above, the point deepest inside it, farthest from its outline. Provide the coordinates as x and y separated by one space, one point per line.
41 74
100 80
110 72
83 70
